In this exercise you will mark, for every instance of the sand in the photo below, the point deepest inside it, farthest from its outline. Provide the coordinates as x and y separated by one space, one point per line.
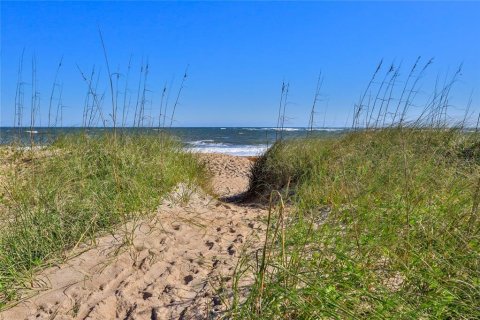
176 264
230 174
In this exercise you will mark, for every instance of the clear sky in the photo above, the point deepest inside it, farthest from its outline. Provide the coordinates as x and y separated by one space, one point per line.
238 53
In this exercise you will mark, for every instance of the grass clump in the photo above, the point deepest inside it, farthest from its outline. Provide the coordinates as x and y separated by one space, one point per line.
63 194
382 224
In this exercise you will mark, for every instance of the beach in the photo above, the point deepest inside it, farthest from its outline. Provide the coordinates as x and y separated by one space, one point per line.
177 263
239 160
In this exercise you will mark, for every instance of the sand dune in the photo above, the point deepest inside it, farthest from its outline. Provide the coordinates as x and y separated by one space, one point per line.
176 264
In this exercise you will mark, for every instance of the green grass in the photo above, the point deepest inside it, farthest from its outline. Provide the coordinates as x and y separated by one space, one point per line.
70 191
380 224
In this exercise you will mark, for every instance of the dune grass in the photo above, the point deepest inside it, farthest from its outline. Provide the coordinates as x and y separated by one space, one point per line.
66 193
379 224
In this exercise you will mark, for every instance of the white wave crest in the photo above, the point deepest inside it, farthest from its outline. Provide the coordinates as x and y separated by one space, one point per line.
329 129
208 143
273 129
239 150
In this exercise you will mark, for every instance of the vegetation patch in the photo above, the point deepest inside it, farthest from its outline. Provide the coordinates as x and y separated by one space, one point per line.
59 196
384 223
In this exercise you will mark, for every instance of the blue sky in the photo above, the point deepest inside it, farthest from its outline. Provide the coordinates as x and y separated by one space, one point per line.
238 54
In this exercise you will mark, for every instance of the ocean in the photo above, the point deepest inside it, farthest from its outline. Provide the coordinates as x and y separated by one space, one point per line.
240 141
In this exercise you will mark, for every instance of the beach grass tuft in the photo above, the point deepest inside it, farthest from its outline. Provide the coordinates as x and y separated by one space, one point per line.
378 224
65 193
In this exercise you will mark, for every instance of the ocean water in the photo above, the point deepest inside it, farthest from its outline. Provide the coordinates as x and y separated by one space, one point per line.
240 141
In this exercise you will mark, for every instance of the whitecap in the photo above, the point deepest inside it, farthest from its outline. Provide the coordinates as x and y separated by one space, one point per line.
238 150
208 143
274 129
329 129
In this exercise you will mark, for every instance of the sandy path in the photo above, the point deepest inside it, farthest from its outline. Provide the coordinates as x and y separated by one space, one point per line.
169 266
230 174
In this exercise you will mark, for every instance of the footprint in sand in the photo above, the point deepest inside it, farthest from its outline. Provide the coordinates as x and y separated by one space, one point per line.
161 286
